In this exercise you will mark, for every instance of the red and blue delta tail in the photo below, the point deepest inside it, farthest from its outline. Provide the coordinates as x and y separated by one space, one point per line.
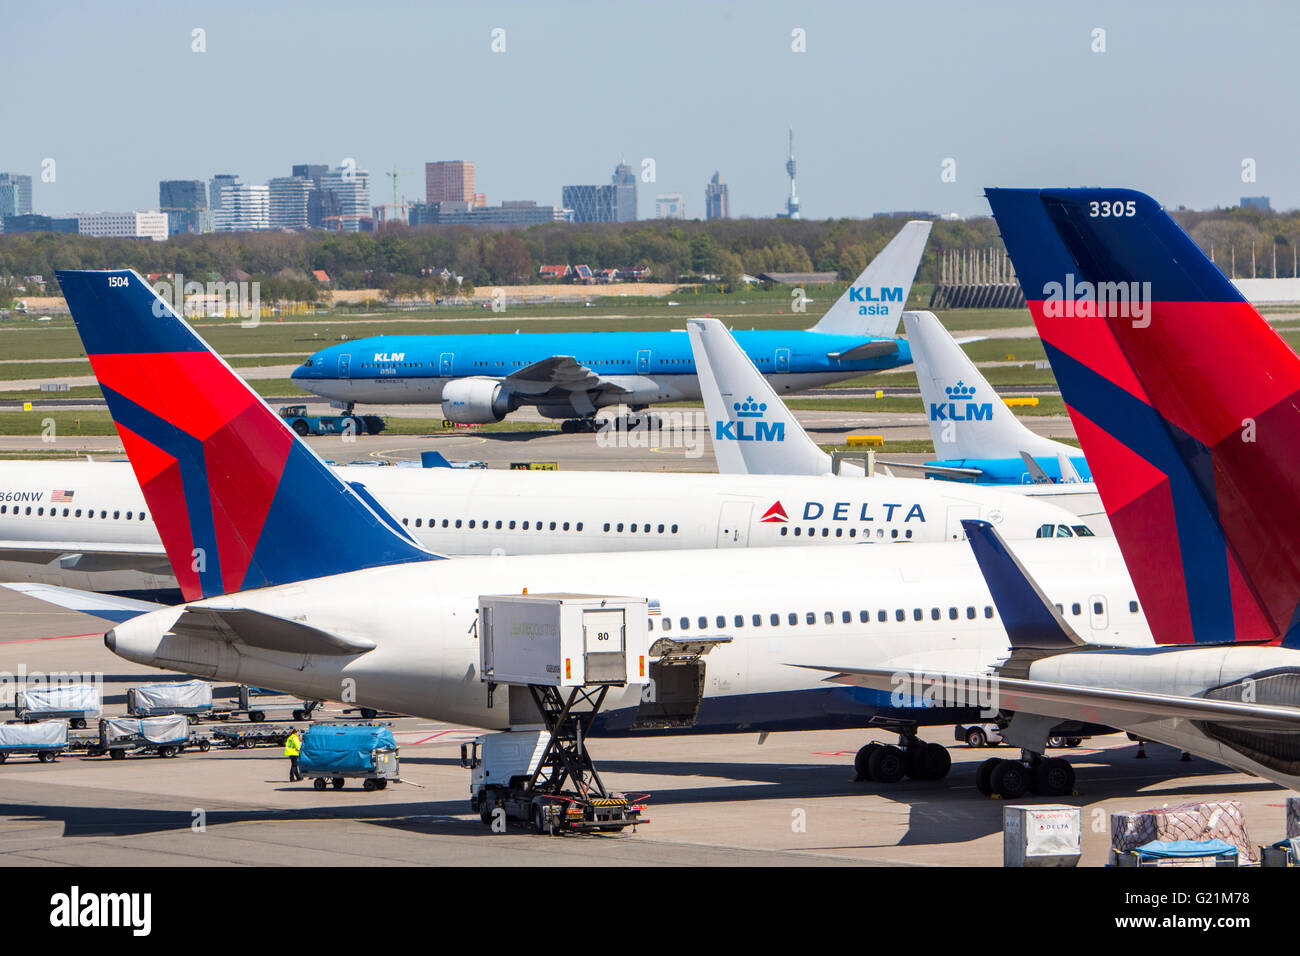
1186 402
240 502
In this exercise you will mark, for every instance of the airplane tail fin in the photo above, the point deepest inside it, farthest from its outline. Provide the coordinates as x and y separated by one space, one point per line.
1186 401
753 432
967 418
239 500
874 303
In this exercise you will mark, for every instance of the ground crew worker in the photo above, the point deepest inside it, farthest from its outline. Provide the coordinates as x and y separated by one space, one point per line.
292 748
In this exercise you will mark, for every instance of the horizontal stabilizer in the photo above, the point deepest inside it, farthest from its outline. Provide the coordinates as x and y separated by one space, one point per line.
105 606
265 631
1030 618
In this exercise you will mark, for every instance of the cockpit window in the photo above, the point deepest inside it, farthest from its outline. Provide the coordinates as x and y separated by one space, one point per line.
1063 531
1082 531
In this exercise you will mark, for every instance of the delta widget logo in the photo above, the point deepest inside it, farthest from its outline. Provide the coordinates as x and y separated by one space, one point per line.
961 406
749 424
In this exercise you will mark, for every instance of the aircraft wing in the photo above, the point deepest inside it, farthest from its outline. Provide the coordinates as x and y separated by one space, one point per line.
88 555
562 372
872 349
1115 708
937 469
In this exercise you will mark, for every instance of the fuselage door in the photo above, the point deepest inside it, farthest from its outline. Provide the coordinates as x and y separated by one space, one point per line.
444 364
1097 612
782 360
345 365
733 524
642 361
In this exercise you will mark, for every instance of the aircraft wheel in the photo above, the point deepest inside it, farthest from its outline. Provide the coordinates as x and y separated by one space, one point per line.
1010 779
929 762
984 776
1054 777
862 762
887 764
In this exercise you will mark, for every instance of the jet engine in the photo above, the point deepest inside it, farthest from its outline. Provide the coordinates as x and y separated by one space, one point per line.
475 401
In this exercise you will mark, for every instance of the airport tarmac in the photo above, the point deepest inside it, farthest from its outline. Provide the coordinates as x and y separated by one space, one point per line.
715 800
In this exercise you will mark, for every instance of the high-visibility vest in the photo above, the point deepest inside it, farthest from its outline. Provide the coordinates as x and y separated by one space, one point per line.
292 746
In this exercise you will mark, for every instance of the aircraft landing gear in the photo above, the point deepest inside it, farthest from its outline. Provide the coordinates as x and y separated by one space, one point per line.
912 757
1012 779
574 426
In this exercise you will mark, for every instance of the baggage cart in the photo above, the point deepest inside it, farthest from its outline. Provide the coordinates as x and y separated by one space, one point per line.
332 754
192 698
76 703
163 736
44 740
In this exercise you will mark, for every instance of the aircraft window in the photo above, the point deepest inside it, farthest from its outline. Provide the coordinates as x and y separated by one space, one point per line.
811 617
633 529
1063 531
444 522
826 532
880 532
988 610
646 528
498 524
685 623
4 509
793 618
661 529
1132 607
674 529
65 514
417 522
907 533
785 529
797 531
620 526
722 621
853 532
578 526
846 617
525 525
566 526
1075 609
864 616
457 522
757 620
740 620
141 515
934 614
882 616
115 514
471 522
900 614
552 525
1097 607
829 617
78 514
839 532
1082 531
668 624
952 614
407 521
893 532
917 614
606 525
774 620
970 614
537 525
703 622
39 512
1060 609
1045 531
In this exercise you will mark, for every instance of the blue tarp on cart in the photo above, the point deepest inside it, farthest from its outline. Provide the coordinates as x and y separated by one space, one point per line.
1171 849
343 749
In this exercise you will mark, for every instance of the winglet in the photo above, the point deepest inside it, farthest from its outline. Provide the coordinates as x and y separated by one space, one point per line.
874 303
1031 620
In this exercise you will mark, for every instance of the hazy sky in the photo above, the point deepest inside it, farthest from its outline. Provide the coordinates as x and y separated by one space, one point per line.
884 93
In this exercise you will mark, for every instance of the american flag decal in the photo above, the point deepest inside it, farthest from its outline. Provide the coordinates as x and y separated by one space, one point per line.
652 608
57 496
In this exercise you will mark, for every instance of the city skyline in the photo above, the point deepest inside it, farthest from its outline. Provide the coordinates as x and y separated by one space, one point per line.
1136 113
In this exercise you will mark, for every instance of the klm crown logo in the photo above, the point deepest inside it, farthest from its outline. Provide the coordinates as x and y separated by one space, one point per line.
737 430
960 407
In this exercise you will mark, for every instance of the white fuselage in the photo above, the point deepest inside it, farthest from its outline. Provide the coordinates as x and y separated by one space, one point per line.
102 536
421 617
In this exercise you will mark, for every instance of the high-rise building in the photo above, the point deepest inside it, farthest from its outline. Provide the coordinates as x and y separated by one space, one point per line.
15 194
670 206
128 225
717 200
449 181
216 184
316 199
36 223
290 202
244 208
186 203
348 202
624 182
